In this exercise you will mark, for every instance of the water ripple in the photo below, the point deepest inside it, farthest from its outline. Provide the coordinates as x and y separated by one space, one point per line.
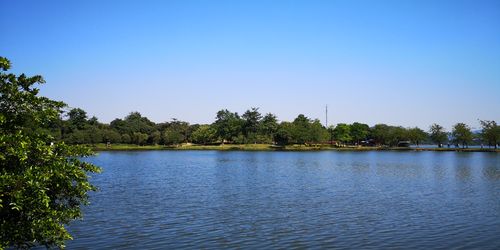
292 200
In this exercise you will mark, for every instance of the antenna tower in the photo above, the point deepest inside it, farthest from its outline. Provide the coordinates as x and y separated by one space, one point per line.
326 115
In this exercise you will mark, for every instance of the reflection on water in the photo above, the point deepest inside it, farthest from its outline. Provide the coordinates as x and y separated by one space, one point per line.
211 199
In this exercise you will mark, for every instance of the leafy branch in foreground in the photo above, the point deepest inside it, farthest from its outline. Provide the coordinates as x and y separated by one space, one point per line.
43 183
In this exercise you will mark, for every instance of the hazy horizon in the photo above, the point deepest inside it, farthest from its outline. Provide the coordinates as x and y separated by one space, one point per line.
408 63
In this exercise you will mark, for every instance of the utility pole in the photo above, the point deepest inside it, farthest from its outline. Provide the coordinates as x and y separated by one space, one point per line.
326 124
326 115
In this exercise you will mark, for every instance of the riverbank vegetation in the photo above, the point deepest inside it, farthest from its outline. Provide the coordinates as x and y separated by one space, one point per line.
252 127
269 147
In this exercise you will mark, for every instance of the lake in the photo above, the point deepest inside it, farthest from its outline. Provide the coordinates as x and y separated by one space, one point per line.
289 200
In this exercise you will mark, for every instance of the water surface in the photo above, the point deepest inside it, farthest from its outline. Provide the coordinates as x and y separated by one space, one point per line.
252 200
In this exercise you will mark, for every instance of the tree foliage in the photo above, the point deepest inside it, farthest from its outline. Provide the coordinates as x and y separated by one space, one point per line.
417 135
318 133
300 129
204 134
251 121
359 131
228 125
251 127
462 134
77 118
490 132
43 182
438 134
269 124
283 135
172 136
342 133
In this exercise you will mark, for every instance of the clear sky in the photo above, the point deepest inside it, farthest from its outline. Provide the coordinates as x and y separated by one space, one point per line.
397 62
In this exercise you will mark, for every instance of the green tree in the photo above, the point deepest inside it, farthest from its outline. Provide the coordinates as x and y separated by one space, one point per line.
359 131
111 136
154 138
93 135
396 134
120 126
269 124
388 135
490 132
438 134
380 133
317 132
77 118
139 138
251 123
330 133
180 128
172 136
126 138
283 135
76 137
301 129
462 133
240 139
228 125
134 122
190 131
93 121
204 134
417 135
342 133
43 182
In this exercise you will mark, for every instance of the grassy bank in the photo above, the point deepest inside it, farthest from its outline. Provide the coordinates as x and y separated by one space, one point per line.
267 147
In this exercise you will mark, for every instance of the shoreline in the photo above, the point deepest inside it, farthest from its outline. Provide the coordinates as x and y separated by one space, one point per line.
269 147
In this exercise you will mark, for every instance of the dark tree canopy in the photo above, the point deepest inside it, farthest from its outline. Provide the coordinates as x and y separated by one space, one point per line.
283 135
269 124
252 119
43 182
228 125
78 118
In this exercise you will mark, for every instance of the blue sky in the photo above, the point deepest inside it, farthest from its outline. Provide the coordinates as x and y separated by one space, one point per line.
409 63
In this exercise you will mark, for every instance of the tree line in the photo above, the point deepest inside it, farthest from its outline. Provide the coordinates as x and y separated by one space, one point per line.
254 127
